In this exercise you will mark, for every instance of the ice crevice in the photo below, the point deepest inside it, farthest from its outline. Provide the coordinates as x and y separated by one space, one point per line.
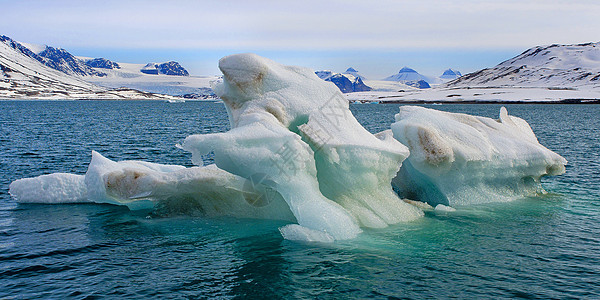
296 153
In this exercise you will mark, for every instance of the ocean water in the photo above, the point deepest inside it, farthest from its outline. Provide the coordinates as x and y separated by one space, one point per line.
538 248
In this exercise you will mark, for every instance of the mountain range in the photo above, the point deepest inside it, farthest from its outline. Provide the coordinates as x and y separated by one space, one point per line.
44 72
52 74
348 82
562 66
412 78
449 75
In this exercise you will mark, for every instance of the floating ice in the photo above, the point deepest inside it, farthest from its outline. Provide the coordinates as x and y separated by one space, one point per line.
442 207
207 191
295 232
296 153
298 130
52 188
458 159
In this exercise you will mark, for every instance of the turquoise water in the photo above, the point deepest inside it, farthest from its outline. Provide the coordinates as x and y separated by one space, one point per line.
543 247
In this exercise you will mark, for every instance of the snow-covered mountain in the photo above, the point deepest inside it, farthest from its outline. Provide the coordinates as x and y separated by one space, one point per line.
347 83
353 72
102 63
129 75
55 58
561 66
163 78
324 74
406 74
420 84
449 75
168 68
61 60
26 75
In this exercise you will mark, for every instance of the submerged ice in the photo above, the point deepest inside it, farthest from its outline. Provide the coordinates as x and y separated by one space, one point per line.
296 153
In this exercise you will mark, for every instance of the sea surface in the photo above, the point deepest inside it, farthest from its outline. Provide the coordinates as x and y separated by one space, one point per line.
547 247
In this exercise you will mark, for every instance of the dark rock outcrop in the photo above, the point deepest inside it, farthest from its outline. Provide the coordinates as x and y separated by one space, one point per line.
168 68
102 63
55 58
348 84
420 84
60 59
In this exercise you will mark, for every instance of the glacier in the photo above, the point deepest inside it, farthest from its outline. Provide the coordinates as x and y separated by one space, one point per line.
296 153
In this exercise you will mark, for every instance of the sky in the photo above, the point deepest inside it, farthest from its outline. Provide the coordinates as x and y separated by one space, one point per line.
377 38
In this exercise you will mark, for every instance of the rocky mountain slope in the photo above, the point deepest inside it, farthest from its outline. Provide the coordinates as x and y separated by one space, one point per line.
168 78
347 83
554 66
23 75
168 68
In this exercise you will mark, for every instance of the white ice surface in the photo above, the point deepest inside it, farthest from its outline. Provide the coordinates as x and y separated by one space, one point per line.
442 207
129 75
295 232
298 130
52 188
458 159
206 191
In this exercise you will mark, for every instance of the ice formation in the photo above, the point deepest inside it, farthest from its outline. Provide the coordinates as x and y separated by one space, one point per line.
298 130
208 191
51 188
458 159
296 153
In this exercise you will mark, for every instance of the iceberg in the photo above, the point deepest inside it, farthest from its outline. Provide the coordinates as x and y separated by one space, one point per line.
298 130
168 189
51 188
458 159
296 153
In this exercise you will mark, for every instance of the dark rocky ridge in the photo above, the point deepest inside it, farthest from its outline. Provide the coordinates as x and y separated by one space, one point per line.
168 68
345 85
60 59
55 58
102 63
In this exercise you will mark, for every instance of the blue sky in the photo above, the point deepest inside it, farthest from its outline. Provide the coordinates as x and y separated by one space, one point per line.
376 37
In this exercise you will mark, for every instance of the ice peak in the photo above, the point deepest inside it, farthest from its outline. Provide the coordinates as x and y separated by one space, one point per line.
407 70
451 72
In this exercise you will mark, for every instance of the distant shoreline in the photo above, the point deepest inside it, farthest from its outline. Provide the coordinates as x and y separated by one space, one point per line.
564 101
430 102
